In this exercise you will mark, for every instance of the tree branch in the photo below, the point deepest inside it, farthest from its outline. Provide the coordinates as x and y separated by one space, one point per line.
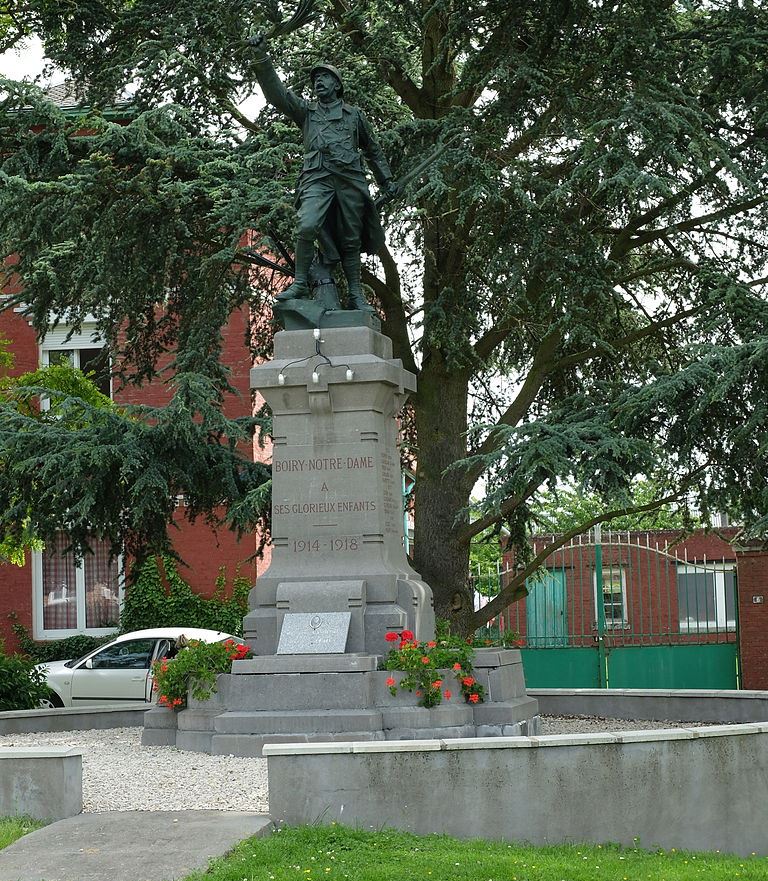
392 71
389 292
696 222
541 367
470 530
628 339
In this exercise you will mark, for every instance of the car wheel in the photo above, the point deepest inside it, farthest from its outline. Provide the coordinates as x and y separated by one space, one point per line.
52 702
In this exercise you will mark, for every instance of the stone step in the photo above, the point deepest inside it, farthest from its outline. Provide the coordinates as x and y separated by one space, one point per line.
298 722
249 745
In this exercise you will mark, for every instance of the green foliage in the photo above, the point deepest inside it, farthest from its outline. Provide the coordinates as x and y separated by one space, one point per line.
62 387
22 687
12 828
566 508
149 603
581 284
116 473
427 664
55 384
194 670
57 649
390 855
6 358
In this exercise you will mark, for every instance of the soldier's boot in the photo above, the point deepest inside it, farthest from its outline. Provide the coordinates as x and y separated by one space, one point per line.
305 253
350 262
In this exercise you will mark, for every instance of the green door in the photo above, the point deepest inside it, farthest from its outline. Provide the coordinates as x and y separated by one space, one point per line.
546 622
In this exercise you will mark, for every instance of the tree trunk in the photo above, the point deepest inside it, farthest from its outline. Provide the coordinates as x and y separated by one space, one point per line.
441 423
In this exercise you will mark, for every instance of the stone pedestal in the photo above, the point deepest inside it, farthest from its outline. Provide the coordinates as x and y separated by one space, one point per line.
319 698
337 508
339 578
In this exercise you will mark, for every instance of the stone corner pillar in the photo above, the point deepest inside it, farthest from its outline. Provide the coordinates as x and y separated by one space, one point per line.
337 512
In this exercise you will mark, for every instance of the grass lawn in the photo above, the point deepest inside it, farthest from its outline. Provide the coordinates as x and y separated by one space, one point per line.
12 828
337 852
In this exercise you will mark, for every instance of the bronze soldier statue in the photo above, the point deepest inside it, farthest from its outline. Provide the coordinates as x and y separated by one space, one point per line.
335 208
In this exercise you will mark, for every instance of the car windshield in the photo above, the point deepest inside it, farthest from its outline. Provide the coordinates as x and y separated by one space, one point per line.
76 661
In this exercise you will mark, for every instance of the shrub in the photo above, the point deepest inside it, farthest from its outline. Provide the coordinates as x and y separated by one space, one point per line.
57 649
149 604
195 667
423 663
22 687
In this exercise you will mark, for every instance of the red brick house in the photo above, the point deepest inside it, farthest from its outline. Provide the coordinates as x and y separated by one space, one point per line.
51 596
645 609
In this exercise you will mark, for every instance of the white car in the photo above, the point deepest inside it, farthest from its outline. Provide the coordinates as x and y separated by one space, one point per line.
119 671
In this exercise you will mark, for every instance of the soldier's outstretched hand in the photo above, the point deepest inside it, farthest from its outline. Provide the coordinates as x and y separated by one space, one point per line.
258 41
391 189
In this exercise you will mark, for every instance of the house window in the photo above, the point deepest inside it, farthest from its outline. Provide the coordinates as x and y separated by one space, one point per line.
706 597
93 360
71 597
614 591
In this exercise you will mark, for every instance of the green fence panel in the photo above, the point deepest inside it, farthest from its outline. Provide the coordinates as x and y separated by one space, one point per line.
546 623
673 666
561 667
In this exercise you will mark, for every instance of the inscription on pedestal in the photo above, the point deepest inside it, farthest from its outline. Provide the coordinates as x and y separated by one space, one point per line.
305 633
326 498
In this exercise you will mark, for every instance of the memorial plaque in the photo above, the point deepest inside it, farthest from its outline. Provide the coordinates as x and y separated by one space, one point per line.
306 633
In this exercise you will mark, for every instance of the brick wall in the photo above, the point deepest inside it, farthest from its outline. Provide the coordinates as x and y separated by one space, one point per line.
649 562
654 607
753 618
16 582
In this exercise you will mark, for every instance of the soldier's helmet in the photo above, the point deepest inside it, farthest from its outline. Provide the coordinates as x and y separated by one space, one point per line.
330 69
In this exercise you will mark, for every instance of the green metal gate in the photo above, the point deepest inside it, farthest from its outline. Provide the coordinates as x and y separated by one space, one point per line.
624 612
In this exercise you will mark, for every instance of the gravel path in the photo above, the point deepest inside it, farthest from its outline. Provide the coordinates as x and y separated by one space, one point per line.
119 774
595 724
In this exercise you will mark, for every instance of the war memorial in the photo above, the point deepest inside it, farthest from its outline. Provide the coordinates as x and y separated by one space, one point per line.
339 579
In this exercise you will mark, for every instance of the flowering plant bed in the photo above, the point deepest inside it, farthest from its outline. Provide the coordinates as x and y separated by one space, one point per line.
422 663
195 669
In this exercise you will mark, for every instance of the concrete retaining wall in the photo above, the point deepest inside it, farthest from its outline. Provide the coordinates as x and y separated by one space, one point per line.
698 789
46 784
129 715
690 705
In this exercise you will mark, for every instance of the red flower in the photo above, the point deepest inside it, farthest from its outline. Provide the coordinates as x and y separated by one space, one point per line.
457 666
437 683
447 694
468 681
390 682
431 645
474 698
418 694
406 634
391 637
425 660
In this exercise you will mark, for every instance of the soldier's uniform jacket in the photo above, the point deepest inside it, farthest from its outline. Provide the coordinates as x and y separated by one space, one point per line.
336 137
333 137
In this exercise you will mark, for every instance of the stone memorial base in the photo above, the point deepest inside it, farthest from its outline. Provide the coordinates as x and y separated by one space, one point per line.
306 698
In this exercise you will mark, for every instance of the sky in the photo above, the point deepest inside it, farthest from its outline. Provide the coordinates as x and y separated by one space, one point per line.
26 62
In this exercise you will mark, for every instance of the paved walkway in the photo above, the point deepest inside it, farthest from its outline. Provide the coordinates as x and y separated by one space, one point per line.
128 846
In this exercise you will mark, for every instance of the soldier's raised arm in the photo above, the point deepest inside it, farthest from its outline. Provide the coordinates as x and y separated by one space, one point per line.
275 92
